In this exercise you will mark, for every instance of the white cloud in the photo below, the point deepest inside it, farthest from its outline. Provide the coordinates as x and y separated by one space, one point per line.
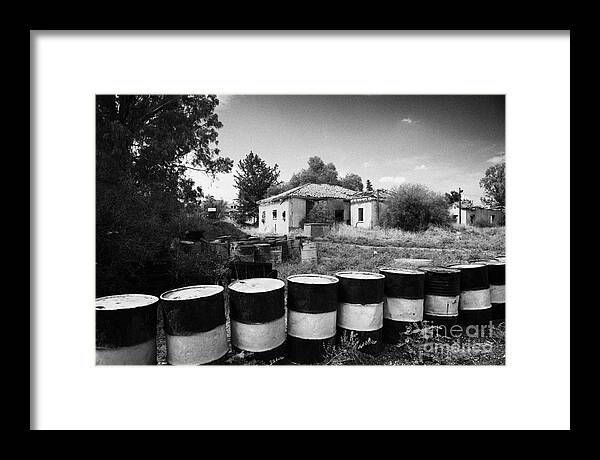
393 180
420 167
407 121
366 164
497 158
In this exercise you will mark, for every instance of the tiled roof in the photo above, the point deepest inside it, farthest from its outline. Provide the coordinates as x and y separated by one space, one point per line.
383 194
313 191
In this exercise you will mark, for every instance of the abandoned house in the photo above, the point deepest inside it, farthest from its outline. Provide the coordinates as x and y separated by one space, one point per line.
472 214
367 208
281 213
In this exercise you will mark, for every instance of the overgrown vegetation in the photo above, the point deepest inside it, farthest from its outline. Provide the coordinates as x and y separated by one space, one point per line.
320 212
144 145
413 207
454 237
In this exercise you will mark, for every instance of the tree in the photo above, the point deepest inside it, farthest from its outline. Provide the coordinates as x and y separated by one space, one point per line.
352 181
414 207
144 144
494 186
369 186
320 212
453 197
253 179
466 203
317 173
278 188
211 202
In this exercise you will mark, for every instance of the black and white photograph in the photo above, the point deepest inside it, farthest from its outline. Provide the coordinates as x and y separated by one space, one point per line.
300 229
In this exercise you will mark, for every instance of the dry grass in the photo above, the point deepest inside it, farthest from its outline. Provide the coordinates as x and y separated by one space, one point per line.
455 237
417 348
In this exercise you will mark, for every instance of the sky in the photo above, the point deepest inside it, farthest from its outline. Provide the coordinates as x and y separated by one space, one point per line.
442 142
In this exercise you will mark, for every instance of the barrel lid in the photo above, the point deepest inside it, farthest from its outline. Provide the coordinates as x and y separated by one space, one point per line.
359 275
312 278
124 301
401 271
255 285
468 266
487 262
440 270
192 292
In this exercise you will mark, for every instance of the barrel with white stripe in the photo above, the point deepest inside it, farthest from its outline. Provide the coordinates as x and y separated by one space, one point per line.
496 273
194 324
360 308
475 306
442 294
403 303
126 329
312 302
257 313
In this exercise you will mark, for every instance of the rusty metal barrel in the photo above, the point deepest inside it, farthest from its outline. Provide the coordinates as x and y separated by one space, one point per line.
360 308
309 251
220 248
194 324
262 252
312 302
257 313
403 304
442 294
126 329
475 306
243 252
276 253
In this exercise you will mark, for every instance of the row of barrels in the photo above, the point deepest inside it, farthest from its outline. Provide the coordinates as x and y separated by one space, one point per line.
274 249
375 308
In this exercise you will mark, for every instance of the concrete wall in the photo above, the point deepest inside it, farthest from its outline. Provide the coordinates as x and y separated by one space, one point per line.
469 216
370 217
279 225
297 211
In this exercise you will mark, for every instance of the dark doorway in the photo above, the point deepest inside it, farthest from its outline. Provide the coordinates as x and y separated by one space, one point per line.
339 215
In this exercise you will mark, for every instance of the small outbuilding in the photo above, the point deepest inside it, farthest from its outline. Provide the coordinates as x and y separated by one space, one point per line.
473 214
278 214
367 208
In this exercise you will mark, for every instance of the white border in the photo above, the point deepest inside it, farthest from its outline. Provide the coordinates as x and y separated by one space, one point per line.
531 391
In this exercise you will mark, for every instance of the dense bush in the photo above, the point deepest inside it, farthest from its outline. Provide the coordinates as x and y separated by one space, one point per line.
413 207
320 212
143 257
